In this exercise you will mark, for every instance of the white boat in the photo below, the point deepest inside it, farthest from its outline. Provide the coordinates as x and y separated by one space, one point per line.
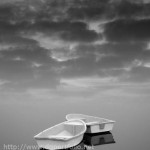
64 135
94 124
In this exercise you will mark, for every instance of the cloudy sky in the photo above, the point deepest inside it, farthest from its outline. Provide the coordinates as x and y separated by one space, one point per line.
74 49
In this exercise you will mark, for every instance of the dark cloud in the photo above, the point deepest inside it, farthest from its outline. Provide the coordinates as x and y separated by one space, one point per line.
67 31
124 50
128 30
129 9
139 74
53 10
6 12
26 64
92 10
28 53
73 10
12 31
28 67
32 17
83 66
17 41
144 55
87 12
80 35
111 59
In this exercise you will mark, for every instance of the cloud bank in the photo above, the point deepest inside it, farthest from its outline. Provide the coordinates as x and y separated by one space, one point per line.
52 45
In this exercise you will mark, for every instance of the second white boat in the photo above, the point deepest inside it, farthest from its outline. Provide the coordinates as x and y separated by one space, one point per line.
94 124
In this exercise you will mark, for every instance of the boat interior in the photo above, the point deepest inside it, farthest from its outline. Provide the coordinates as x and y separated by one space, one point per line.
63 131
88 119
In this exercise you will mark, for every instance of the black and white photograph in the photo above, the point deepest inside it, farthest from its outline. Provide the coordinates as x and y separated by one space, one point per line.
74 74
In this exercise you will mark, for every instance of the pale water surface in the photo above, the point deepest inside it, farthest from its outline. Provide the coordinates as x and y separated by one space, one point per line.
20 121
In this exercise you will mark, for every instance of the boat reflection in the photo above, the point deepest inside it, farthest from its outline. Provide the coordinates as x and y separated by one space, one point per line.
80 146
92 140
98 139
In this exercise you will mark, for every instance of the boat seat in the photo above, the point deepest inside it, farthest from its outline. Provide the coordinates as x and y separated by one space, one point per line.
64 135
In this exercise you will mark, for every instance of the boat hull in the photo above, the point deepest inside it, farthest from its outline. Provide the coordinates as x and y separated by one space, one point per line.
54 144
97 128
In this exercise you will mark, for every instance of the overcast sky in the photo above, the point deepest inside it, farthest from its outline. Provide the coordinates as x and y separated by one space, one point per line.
74 49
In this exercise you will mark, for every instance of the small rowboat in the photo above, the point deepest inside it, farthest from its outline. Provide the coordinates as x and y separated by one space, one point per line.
62 136
94 124
98 139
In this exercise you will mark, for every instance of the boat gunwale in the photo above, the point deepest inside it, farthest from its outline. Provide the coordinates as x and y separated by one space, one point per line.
37 137
107 121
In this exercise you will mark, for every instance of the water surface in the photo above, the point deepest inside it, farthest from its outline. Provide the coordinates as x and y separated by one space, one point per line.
21 121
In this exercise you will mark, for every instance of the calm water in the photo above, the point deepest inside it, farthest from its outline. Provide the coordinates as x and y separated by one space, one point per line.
20 121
